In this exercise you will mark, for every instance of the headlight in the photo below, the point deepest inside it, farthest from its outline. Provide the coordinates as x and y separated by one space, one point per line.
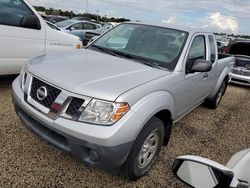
103 112
23 78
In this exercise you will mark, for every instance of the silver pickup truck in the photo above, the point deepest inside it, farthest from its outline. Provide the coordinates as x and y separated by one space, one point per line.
113 104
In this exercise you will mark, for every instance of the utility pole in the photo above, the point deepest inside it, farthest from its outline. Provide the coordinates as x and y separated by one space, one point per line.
97 16
86 6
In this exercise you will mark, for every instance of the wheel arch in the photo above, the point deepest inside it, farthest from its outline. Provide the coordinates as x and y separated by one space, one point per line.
224 76
166 117
159 104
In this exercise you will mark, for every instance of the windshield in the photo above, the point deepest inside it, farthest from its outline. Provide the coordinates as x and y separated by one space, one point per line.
157 46
64 23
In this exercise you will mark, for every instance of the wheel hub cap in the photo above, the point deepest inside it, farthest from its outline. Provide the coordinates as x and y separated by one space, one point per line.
148 149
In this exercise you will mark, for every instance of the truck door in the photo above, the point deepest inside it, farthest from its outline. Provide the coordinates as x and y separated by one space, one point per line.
194 87
18 43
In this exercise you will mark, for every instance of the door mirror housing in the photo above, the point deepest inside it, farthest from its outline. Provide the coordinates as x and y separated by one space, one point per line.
200 65
200 172
31 21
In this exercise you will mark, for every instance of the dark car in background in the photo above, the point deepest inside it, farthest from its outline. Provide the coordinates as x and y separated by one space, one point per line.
221 47
54 19
241 71
89 35
83 18
95 33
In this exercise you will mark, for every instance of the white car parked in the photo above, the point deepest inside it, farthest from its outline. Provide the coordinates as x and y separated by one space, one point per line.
24 34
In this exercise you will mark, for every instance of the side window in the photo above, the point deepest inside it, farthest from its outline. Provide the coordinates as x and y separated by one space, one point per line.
13 11
89 26
197 50
212 48
78 26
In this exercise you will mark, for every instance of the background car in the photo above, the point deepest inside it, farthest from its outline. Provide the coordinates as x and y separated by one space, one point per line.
54 19
95 33
78 28
220 46
83 18
241 70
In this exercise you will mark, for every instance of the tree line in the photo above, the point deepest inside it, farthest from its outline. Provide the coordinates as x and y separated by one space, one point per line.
71 14
233 35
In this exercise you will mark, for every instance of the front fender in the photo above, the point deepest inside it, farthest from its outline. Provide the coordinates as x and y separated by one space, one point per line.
151 104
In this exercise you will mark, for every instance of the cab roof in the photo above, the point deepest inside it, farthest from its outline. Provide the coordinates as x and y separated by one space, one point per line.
177 27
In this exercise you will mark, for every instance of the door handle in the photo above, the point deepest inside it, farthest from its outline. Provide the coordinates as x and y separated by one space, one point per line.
205 76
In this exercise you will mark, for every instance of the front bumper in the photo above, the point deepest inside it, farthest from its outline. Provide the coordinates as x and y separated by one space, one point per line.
91 153
240 79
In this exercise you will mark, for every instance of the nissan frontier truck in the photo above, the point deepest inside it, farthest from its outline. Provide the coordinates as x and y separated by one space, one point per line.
114 103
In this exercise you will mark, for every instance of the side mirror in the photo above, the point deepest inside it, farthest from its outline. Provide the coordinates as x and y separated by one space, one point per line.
200 172
200 65
31 21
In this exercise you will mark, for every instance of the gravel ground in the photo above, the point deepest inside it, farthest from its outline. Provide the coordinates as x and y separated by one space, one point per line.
26 161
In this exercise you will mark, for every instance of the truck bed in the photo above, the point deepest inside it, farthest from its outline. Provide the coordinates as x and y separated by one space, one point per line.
221 55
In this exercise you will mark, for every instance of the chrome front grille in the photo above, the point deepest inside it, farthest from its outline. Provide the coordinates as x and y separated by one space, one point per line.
74 106
242 72
51 93
55 102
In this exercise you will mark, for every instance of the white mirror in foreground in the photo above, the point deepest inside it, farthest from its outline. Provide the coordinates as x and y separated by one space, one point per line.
199 172
198 175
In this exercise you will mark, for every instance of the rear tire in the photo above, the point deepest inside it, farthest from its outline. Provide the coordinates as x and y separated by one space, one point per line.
215 101
145 149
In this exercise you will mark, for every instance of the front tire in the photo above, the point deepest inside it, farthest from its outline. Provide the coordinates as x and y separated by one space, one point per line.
145 149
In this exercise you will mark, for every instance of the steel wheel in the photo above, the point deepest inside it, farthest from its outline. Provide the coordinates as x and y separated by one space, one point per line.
145 149
148 149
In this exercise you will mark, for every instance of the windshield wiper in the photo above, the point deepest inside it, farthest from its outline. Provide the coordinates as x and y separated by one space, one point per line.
139 59
129 56
106 50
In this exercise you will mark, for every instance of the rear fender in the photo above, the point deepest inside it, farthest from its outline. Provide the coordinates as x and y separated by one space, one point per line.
222 77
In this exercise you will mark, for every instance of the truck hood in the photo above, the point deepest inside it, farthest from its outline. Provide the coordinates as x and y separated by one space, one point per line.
91 73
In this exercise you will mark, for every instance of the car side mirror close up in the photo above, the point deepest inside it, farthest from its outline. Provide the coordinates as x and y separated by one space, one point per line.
200 172
31 21
200 65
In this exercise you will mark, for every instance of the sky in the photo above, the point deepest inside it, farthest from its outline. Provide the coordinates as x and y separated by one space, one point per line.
230 16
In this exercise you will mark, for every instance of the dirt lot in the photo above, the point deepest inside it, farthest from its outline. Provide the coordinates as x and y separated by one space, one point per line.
26 161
